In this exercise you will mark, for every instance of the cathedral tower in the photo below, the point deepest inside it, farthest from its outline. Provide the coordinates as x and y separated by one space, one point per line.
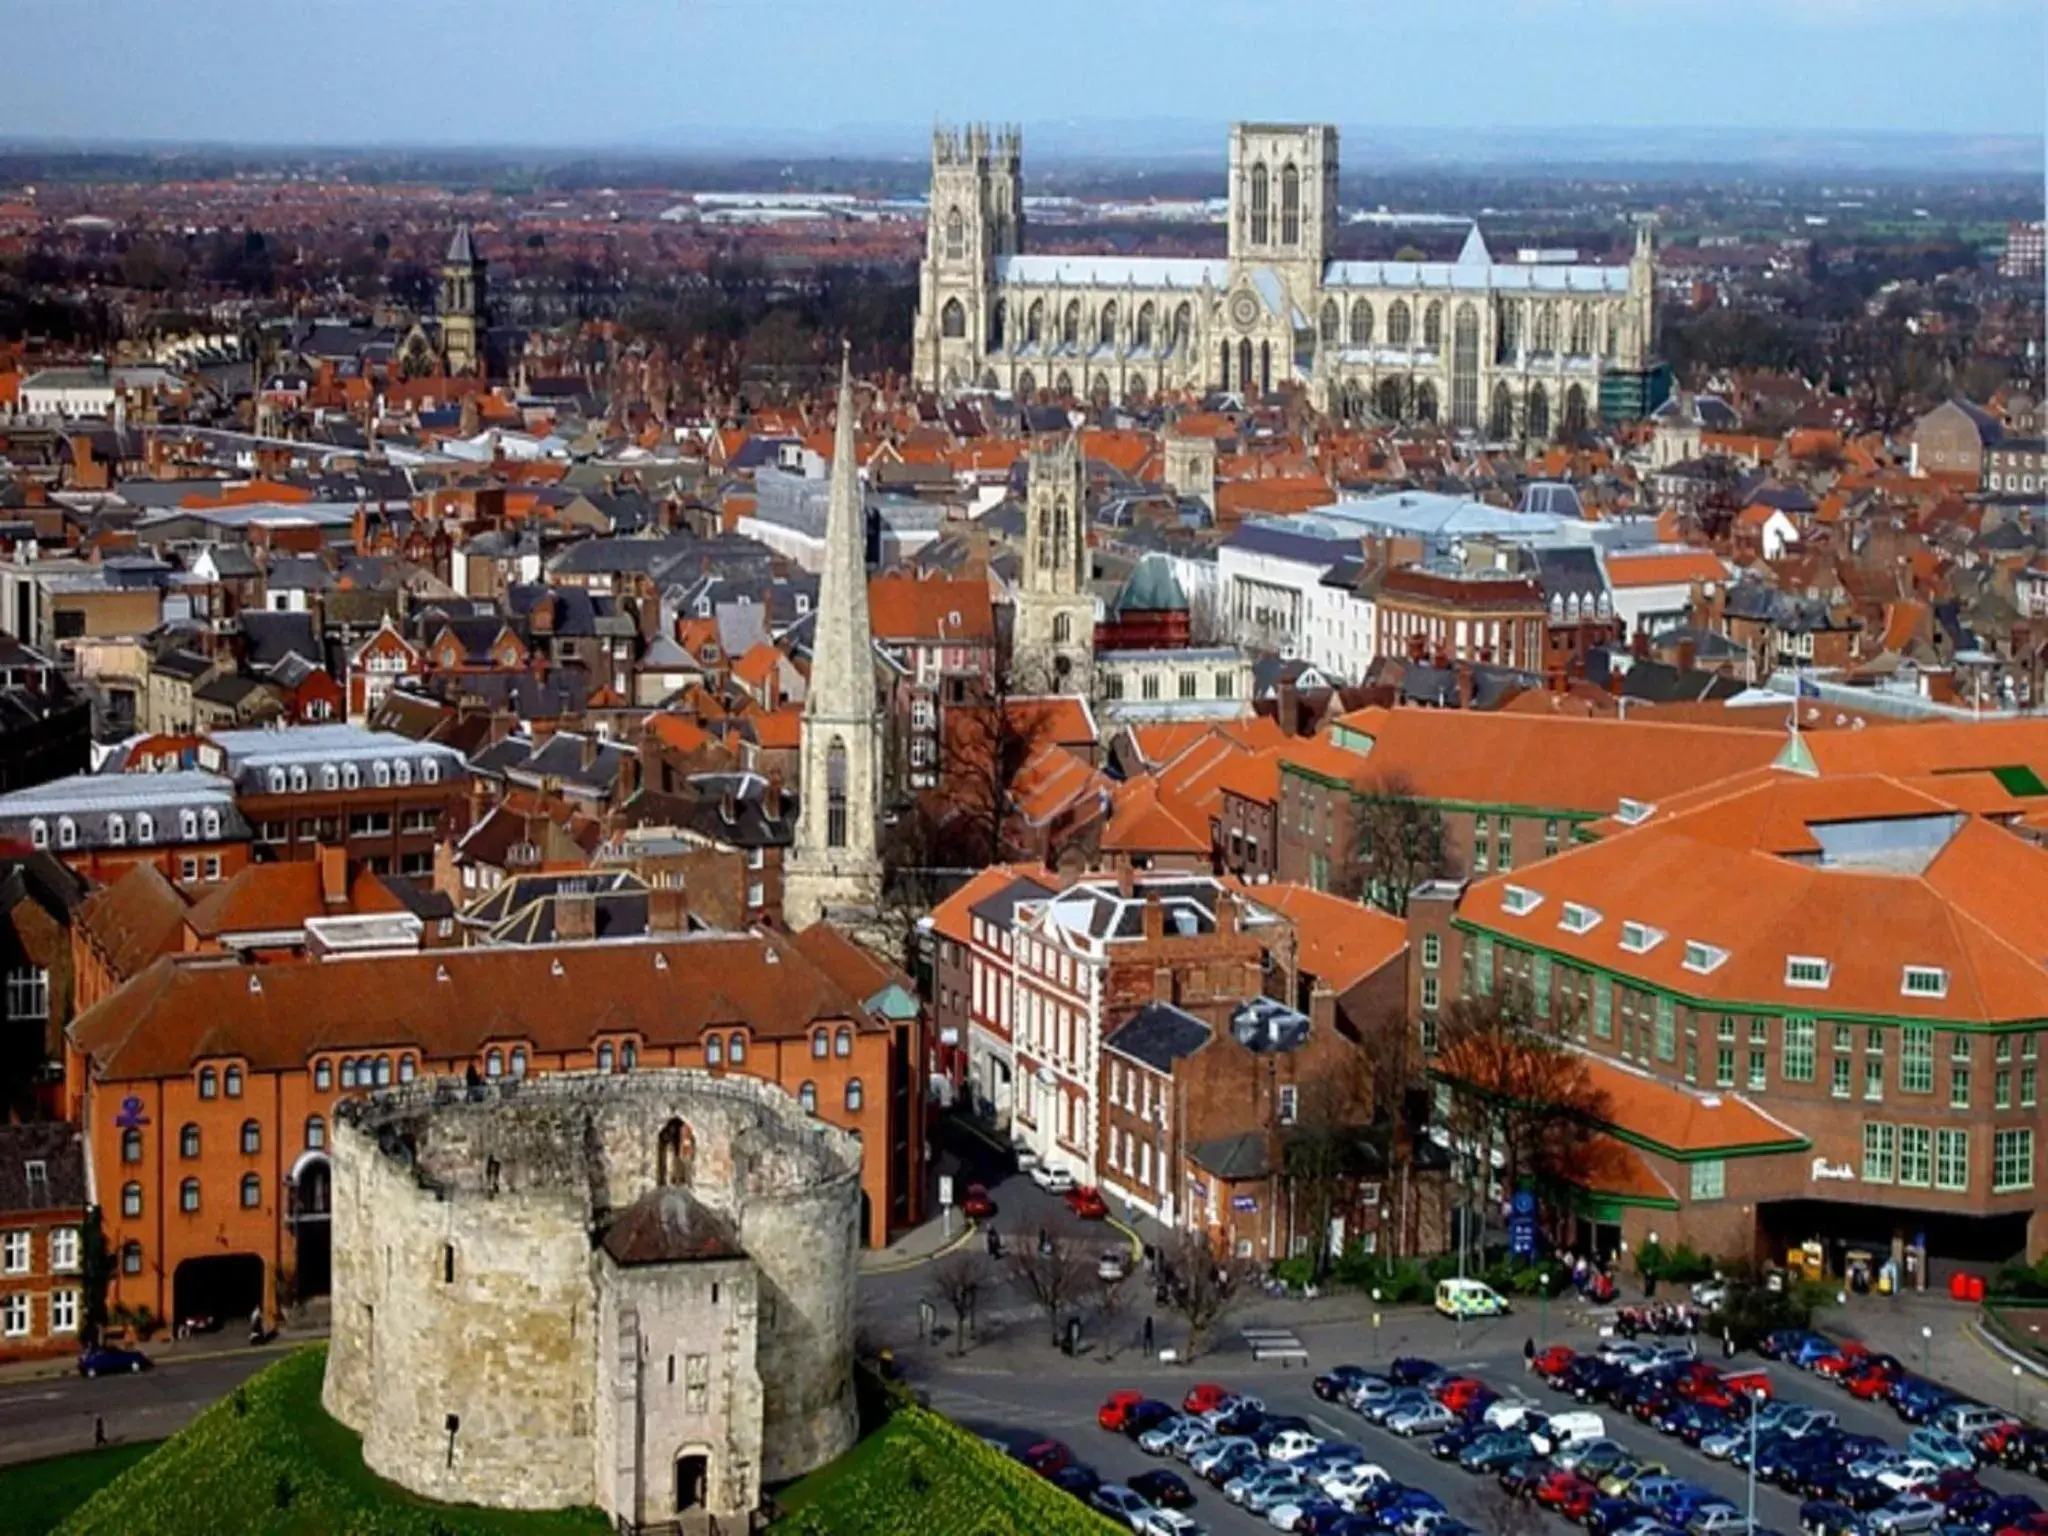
976 217
1283 199
1053 645
462 304
834 866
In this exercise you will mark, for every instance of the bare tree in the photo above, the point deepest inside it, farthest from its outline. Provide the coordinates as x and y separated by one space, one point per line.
1052 1266
1391 1049
1201 1287
1397 843
1112 1299
957 1281
1328 1148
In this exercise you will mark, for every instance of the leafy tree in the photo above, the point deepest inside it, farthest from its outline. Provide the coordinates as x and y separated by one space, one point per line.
96 1271
1397 843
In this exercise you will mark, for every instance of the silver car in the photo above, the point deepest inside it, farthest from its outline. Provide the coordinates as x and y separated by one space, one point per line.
1905 1516
1218 1450
1119 1503
1163 1437
1423 1419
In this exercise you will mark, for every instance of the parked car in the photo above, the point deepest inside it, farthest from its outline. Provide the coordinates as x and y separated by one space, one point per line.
1167 1522
1457 1392
1496 1449
1081 1481
1398 1401
1423 1418
1122 1504
1413 1371
1968 1420
1055 1181
1609 1514
1551 1360
1370 1390
1163 1438
1346 1484
1452 1443
1163 1489
1909 1476
1149 1413
1824 1517
1240 1460
1905 1516
106 1360
1046 1457
1293 1445
1916 1399
1218 1451
1111 1414
1717 1520
1336 1384
977 1203
1086 1201
1940 1447
1203 1396
1284 1488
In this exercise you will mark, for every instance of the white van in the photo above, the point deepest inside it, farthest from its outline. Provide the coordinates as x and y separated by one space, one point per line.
1469 1298
1573 1428
1510 1413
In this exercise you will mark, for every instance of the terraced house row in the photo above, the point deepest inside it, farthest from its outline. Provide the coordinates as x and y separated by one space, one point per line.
1814 1000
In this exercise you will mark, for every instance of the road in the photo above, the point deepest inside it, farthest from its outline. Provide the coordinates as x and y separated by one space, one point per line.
55 1415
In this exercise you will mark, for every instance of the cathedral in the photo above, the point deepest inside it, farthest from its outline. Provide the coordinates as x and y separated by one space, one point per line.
1514 349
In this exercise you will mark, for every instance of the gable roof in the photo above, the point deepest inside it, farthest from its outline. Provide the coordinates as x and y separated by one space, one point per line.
1339 942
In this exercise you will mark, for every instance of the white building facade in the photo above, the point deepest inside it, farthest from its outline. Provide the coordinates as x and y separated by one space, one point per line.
1510 349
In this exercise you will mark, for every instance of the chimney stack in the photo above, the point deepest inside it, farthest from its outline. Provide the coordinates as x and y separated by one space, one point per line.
333 876
771 797
576 916
668 911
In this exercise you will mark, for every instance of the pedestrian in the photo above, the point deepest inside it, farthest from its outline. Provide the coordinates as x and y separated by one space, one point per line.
1528 1354
99 1431
1148 1333
1727 1344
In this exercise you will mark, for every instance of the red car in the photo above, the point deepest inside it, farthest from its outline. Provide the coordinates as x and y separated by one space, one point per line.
1202 1396
1552 1361
977 1203
1457 1393
1086 1202
1952 1482
1747 1384
1111 1415
1841 1361
1047 1457
1565 1491
1870 1383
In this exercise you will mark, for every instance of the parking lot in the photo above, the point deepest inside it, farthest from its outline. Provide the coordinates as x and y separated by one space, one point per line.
1030 1396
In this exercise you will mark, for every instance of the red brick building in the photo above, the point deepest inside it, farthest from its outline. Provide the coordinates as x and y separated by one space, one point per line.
42 1249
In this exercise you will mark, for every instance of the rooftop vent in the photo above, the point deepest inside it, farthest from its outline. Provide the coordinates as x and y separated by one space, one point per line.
557 968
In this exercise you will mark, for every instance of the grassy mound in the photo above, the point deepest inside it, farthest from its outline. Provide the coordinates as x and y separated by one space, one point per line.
35 1496
918 1474
268 1459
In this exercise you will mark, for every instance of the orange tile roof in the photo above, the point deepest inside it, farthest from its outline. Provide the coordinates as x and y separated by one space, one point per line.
1142 822
134 920
1664 567
904 606
953 917
1648 1109
274 897
1058 718
1054 780
1339 942
1602 1165
758 664
779 729
678 733
1744 873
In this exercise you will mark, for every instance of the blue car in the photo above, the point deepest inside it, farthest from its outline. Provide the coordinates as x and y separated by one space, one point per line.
1411 1370
1689 1501
105 1360
1941 1448
1917 1399
1809 1349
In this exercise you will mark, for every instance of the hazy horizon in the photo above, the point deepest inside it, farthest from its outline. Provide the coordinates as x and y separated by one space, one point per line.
657 76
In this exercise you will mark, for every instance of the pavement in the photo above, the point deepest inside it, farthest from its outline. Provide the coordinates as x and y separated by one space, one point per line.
51 1415
1939 1337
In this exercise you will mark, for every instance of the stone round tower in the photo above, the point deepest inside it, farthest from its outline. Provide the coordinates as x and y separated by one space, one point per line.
629 1291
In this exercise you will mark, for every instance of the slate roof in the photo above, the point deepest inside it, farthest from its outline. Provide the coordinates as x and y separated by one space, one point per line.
60 1148
559 756
1159 1034
1233 1157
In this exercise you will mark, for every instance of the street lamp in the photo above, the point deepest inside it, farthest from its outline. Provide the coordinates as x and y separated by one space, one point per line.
1926 1348
1543 1290
1376 1322
1756 1400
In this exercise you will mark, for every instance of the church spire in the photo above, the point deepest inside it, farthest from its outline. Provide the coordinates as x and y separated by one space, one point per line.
834 865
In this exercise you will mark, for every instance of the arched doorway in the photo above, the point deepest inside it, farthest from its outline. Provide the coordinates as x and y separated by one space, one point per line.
222 1289
312 1206
693 1481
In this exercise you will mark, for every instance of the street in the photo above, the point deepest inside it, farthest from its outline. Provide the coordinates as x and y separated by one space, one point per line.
51 1416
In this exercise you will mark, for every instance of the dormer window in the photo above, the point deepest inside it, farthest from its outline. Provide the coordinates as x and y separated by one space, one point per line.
1703 957
1807 971
330 776
275 779
39 833
1577 917
298 781
188 825
380 773
117 829
1630 812
1640 938
351 776
1925 981
430 770
67 832
212 819
145 827
401 771
1518 899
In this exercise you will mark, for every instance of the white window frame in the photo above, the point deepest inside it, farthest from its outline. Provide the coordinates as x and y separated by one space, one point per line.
64 1311
17 1252
1933 977
1794 965
1578 918
64 1250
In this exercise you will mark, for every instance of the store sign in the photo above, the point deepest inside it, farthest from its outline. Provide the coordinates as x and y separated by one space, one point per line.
1823 1169
1244 1202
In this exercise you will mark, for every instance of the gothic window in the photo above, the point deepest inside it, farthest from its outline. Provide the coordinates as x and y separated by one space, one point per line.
1226 365
1259 213
1425 402
1539 412
1265 367
1433 324
1574 410
1144 334
1034 322
1612 343
1331 321
1105 325
835 795
998 322
1063 384
1508 331
1244 364
1546 331
1290 206
1062 629
1361 323
1134 389
1400 324
1183 320
1581 330
953 320
1098 391
1070 323
1027 386
1465 367
1392 400
956 235
1500 424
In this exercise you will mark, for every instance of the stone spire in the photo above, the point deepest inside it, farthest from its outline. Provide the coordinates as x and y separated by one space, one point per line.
834 866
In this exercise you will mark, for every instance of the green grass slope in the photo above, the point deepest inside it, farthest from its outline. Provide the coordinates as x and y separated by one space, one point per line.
268 1461
35 1496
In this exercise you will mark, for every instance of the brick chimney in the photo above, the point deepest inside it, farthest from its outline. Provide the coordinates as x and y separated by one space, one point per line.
771 797
1287 708
333 875
576 916
668 911
1688 654
1155 918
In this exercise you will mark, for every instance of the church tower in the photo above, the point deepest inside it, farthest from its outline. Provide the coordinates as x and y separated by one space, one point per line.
976 218
1053 645
462 304
834 866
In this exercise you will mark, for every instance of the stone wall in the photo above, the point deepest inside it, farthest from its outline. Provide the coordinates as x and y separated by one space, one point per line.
466 1282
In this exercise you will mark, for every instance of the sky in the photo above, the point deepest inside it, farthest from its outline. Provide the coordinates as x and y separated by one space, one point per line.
670 74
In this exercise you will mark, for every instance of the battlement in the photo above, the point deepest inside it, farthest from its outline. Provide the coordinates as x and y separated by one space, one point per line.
978 145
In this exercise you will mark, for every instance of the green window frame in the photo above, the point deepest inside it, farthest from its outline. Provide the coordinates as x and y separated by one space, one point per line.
1795 1052
1845 1037
1724 1066
2001 1088
2026 1087
2012 1159
1539 982
1426 1031
1429 994
1916 1059
1667 1029
1951 1159
1916 1156
1482 836
1709 1179
1759 1070
1550 838
1483 964
1880 1151
1504 846
1692 1061
1603 1008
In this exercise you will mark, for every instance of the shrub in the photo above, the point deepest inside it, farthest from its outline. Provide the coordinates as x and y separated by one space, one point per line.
2024 1280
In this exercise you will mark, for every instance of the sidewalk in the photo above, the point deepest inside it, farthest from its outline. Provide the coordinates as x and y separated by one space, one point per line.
1937 1336
226 1344
920 1245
